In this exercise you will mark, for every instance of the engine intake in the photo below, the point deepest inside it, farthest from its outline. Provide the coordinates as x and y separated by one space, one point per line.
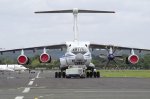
45 58
133 59
22 59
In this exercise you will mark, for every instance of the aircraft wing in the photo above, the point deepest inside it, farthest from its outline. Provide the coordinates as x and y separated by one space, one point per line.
56 46
103 46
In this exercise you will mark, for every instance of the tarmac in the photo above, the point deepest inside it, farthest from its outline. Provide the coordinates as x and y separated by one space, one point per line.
43 85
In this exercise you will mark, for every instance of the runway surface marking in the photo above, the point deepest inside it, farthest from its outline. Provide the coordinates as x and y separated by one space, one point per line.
26 90
33 79
30 83
37 76
19 97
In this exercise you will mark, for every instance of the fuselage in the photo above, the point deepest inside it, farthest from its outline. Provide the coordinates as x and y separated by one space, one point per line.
78 53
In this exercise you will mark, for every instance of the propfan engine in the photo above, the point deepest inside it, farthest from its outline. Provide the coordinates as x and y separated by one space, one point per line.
111 56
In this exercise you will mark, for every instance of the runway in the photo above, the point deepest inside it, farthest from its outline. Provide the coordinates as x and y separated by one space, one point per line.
44 86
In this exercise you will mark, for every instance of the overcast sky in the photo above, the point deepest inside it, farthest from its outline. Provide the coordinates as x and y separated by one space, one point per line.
20 27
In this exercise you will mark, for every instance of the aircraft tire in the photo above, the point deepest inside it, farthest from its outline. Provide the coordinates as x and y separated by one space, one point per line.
63 74
56 74
95 74
59 74
91 74
87 74
98 74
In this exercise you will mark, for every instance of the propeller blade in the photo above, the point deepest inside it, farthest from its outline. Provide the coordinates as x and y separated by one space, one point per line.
114 50
119 57
114 61
108 62
102 56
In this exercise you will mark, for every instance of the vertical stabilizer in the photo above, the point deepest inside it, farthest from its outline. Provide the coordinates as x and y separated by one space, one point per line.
75 12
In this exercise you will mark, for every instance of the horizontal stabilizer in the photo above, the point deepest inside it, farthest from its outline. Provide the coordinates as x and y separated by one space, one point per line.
56 11
75 10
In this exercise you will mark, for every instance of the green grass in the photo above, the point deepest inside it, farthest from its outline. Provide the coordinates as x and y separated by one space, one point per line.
125 73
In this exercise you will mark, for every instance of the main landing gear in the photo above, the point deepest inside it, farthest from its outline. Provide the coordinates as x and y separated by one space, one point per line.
60 75
94 74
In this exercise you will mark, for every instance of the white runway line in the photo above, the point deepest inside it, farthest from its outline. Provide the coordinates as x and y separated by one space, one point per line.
38 75
33 79
30 83
19 97
26 90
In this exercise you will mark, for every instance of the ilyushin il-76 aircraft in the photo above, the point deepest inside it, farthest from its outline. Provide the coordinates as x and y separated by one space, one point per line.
77 59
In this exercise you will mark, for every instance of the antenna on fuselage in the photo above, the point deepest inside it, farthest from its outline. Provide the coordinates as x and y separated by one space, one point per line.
75 12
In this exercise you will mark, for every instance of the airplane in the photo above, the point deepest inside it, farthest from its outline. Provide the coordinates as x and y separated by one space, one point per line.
78 53
12 68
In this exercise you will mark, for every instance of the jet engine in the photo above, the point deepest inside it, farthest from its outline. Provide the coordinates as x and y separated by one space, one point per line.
45 58
133 59
23 59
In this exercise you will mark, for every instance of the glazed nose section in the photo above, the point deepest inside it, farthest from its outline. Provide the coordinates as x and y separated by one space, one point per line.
79 58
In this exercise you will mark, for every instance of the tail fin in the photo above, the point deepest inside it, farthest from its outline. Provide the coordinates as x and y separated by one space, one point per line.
75 12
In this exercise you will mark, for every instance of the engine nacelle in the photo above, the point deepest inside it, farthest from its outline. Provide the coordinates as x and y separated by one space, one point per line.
23 59
133 59
45 58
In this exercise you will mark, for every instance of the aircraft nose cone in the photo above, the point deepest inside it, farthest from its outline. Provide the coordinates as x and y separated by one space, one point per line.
79 57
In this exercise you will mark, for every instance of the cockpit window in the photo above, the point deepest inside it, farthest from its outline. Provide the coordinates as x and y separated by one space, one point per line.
79 50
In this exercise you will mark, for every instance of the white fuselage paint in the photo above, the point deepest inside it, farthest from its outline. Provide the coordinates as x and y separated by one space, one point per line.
78 53
12 67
